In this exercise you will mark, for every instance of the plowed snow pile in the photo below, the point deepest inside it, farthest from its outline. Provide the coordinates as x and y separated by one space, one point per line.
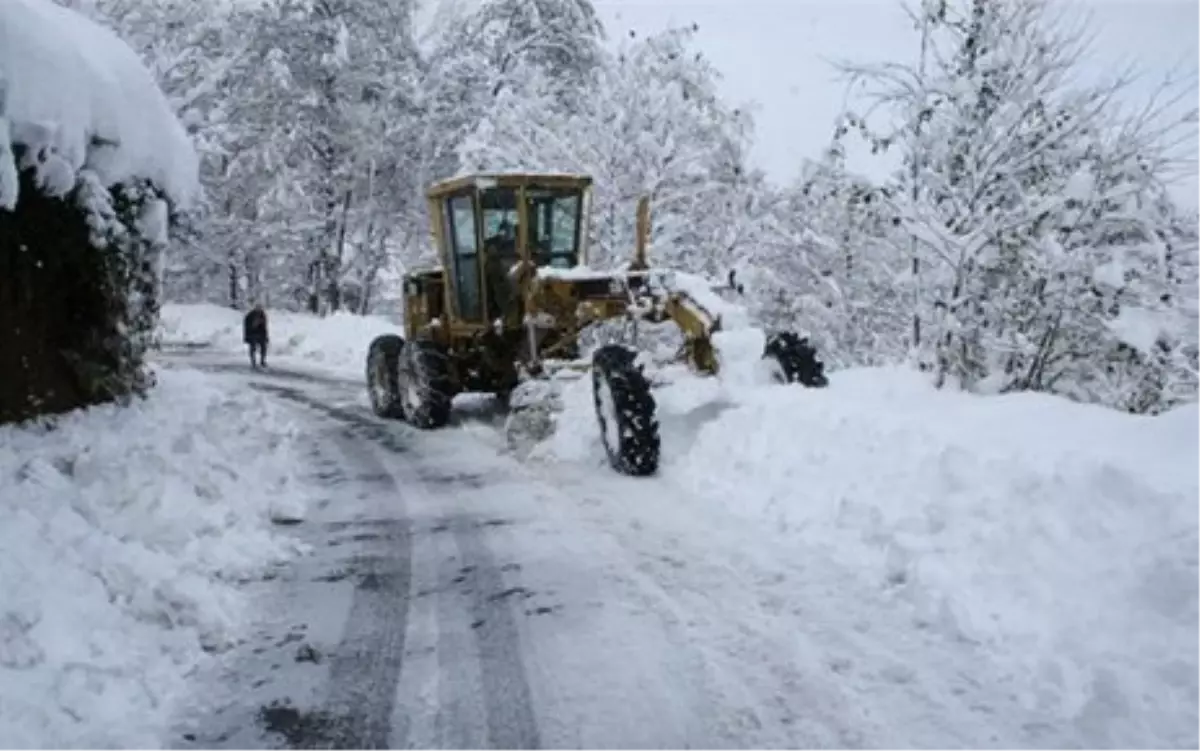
1059 539
124 534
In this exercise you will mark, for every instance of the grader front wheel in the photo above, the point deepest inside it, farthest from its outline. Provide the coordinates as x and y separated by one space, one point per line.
625 409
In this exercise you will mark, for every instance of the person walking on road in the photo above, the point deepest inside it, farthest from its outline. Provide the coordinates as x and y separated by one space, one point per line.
254 333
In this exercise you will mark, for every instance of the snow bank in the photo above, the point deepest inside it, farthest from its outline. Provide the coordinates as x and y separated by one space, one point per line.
337 343
73 91
124 533
1060 538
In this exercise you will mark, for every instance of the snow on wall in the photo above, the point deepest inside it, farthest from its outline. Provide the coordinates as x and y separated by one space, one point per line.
77 97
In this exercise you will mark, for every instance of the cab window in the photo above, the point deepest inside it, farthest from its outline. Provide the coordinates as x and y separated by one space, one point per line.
462 233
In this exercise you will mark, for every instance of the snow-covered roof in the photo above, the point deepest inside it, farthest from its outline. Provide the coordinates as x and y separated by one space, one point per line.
72 85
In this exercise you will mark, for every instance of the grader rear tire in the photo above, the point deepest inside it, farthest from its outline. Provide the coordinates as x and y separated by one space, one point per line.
383 364
625 409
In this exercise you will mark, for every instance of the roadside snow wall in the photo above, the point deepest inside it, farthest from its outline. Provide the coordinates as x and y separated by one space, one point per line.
126 533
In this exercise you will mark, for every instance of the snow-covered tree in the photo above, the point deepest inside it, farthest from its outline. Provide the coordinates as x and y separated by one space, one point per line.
1018 185
308 161
653 125
311 101
829 267
196 52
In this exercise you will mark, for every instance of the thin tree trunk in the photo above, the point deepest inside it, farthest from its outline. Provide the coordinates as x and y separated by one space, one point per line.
335 287
914 177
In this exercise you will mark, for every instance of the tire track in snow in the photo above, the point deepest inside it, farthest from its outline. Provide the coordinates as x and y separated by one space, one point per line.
500 673
366 664
346 605
508 705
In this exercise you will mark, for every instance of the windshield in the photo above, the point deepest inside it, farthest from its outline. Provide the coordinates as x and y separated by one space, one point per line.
499 208
554 226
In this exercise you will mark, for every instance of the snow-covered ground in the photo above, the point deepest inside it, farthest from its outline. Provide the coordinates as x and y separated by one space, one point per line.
125 532
1057 541
1060 539
335 344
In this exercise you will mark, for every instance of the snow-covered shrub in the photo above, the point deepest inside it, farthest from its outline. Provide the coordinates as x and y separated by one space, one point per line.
824 267
92 165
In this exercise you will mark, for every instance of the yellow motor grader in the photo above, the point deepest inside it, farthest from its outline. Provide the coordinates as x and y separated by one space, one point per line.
512 295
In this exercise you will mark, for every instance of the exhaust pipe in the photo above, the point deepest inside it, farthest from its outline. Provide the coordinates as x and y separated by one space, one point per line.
643 235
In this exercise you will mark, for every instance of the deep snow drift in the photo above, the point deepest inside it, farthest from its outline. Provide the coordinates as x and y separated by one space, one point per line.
124 533
1059 538
336 343
79 98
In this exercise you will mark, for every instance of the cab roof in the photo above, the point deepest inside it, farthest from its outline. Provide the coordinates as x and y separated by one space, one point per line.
485 180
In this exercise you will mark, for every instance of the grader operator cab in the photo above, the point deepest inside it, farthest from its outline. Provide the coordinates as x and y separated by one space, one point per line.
511 297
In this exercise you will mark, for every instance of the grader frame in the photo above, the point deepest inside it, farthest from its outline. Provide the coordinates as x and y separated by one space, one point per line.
512 295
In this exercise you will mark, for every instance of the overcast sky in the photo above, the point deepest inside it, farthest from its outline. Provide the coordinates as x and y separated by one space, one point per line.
774 52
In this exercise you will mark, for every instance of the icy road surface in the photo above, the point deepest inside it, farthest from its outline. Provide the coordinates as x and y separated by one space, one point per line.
461 598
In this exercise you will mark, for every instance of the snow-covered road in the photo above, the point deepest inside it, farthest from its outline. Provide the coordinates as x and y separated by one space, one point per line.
461 598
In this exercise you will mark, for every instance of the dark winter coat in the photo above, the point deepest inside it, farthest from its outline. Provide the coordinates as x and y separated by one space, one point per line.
254 327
